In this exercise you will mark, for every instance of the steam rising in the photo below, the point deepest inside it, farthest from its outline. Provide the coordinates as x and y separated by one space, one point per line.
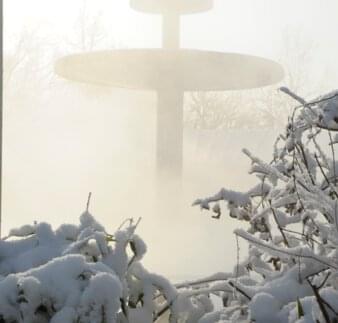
63 139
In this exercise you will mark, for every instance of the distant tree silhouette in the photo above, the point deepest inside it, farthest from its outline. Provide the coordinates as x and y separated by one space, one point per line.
260 107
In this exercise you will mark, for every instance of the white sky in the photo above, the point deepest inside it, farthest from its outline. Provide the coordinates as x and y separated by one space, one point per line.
248 26
231 22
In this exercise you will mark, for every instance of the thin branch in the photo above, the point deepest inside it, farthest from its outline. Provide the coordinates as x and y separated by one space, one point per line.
333 158
88 201
239 290
317 272
292 94
325 177
319 301
207 280
287 251
301 148
303 235
130 220
324 280
278 225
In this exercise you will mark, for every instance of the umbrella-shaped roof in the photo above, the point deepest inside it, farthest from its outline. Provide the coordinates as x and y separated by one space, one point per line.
183 69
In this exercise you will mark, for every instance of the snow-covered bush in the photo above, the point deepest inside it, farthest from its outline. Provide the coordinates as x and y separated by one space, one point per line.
82 274
291 216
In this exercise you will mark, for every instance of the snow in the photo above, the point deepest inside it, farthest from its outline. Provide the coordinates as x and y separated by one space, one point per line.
100 301
80 273
327 109
233 197
264 308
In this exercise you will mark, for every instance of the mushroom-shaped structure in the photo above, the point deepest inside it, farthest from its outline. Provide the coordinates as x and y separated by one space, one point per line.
172 6
170 72
160 70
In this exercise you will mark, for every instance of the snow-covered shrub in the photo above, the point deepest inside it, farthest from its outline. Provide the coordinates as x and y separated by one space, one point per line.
291 216
82 274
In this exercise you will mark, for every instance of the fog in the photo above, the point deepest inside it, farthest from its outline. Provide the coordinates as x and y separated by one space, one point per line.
63 139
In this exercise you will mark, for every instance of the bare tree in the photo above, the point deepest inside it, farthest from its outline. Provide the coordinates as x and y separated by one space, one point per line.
89 32
262 107
26 70
273 109
212 110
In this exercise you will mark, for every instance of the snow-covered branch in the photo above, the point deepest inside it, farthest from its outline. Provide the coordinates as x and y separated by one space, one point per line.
291 271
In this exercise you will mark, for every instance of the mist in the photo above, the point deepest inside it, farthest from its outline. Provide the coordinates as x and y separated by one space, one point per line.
64 139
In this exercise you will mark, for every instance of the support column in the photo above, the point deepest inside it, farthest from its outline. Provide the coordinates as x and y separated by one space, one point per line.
170 110
171 30
170 133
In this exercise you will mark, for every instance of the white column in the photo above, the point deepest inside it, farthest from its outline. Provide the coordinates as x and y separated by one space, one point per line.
170 30
170 132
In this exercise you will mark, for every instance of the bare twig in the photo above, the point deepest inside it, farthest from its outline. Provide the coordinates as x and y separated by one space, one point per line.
88 201
333 157
239 290
320 302
324 280
278 225
293 95
288 251
325 177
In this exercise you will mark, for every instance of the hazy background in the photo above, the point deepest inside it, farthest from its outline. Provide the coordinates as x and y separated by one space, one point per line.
62 139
